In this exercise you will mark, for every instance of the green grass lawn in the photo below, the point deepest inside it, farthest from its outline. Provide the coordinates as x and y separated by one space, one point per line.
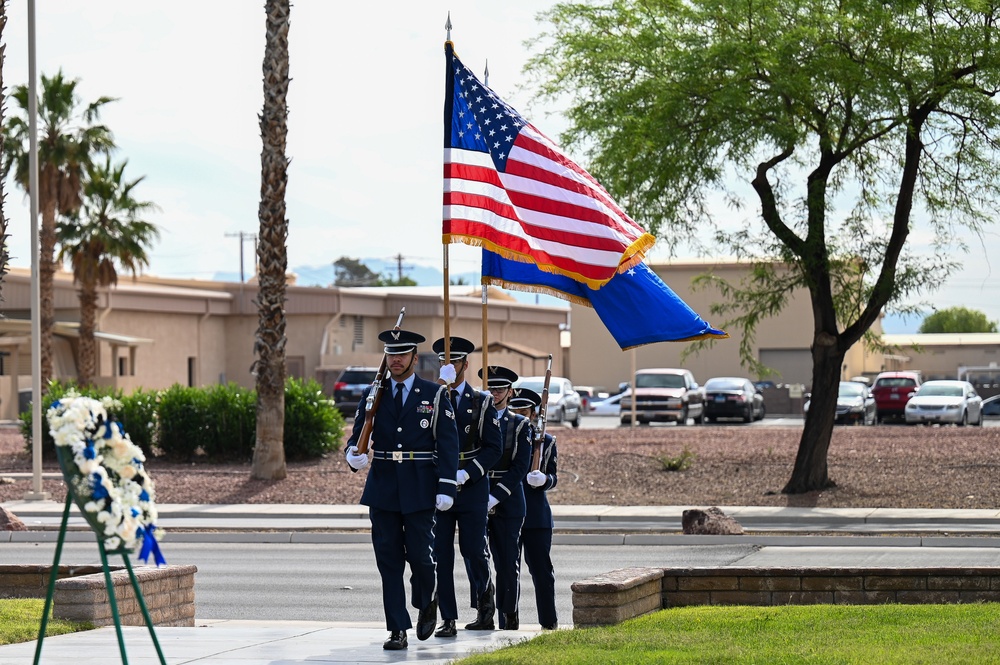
865 634
21 617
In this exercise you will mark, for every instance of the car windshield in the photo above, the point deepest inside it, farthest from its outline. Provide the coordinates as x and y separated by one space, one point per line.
358 376
555 387
936 390
724 384
850 390
659 381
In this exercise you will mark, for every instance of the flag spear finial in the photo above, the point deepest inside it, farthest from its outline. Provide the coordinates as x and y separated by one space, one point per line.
486 74
447 27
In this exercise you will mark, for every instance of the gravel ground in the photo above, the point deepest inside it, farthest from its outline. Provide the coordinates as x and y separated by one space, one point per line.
873 467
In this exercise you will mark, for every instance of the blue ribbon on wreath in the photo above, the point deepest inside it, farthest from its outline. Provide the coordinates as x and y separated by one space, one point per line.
150 546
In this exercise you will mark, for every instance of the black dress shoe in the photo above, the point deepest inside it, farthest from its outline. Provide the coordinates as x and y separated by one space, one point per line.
447 629
484 612
426 620
551 626
396 641
510 621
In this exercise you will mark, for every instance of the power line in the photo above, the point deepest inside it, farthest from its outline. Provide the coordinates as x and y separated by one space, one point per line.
244 236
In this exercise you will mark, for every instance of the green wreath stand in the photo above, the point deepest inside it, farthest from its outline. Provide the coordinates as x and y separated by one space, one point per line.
67 465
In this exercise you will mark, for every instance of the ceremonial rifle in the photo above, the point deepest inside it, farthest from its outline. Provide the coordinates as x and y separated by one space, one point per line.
536 454
375 396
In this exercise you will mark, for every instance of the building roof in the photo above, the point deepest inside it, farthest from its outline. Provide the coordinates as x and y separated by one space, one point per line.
943 339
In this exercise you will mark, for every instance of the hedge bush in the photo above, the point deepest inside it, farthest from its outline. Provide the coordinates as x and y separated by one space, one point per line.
215 423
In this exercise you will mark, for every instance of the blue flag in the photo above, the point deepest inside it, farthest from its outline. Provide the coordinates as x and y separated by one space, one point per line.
636 306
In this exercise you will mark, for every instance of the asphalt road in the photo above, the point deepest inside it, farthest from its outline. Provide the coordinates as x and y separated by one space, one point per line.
339 582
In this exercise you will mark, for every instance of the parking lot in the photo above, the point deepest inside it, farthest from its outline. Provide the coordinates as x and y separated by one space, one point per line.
610 422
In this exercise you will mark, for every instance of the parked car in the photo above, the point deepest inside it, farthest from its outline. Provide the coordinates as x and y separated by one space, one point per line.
588 394
733 397
610 406
945 401
892 390
564 405
664 395
348 386
765 384
855 404
991 407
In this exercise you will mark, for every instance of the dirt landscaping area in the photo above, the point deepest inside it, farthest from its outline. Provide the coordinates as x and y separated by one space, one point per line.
889 466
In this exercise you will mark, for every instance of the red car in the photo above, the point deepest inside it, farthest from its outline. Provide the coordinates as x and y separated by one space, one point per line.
892 390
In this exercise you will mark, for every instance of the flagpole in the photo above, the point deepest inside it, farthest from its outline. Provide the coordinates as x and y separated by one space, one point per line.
444 260
482 281
631 384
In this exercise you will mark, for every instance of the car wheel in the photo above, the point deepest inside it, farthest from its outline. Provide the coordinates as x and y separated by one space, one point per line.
965 419
763 412
626 420
712 419
748 416
683 419
700 420
579 417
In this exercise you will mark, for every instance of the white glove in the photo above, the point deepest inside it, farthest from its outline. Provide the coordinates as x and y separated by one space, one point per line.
492 503
443 502
448 374
536 478
356 460
462 476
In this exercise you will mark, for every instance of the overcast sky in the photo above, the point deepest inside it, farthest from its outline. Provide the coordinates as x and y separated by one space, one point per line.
365 178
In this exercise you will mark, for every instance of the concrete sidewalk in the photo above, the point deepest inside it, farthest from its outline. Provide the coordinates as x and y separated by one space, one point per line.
575 524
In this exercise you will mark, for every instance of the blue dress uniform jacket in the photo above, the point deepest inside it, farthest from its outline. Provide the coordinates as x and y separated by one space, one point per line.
480 446
415 458
536 535
410 485
504 526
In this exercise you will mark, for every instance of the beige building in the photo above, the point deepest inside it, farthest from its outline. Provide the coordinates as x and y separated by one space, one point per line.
154 333
782 342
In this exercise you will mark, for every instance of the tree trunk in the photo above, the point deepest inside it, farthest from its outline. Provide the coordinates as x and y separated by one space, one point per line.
269 453
86 368
810 473
46 293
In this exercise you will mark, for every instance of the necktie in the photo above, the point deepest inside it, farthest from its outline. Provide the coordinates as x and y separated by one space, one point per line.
399 398
454 399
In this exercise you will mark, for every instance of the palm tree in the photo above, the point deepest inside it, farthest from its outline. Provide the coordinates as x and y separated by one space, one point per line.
4 257
106 236
272 254
67 142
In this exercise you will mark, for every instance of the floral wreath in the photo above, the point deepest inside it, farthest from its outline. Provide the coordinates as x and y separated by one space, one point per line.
107 476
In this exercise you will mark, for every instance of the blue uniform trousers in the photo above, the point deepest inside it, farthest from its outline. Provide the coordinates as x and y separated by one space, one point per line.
469 514
537 545
400 538
504 532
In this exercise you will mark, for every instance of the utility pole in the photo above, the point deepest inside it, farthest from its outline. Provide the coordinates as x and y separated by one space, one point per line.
244 236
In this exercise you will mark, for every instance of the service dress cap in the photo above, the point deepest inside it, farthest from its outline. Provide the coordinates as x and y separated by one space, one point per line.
458 349
524 398
499 376
400 341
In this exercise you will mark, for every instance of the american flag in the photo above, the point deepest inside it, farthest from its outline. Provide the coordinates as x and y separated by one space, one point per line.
509 189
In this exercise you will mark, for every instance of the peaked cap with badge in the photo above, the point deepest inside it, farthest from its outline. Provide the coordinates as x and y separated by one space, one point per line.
458 349
524 398
400 341
499 376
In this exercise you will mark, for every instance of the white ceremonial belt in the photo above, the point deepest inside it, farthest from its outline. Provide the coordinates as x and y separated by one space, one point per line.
402 455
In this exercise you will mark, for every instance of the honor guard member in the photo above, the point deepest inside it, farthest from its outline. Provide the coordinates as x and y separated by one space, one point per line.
506 500
480 446
414 460
536 533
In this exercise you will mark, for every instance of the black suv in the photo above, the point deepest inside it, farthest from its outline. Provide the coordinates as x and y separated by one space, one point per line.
347 389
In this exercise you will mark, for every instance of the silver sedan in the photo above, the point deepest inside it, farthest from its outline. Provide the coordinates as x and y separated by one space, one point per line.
945 401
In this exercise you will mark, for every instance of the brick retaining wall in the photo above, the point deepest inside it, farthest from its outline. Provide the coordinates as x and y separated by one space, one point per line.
630 592
80 594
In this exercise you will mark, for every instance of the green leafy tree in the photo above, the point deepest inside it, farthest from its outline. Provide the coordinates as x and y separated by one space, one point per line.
849 120
106 236
352 272
957 320
388 280
69 137
272 249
